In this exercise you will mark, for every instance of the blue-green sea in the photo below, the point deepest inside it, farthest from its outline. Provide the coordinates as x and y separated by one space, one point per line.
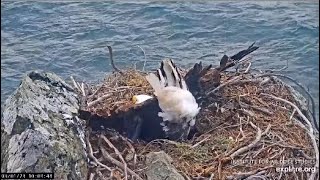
70 38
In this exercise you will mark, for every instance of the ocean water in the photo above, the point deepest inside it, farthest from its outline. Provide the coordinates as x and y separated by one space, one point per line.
70 38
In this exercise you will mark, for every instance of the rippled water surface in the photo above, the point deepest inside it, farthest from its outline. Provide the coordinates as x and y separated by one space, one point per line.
71 38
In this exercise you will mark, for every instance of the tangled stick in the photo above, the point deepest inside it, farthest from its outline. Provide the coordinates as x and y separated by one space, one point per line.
313 106
90 154
245 148
131 148
118 163
310 132
118 153
78 87
253 143
251 103
92 103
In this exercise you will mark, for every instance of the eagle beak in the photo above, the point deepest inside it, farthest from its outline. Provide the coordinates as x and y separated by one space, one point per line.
134 99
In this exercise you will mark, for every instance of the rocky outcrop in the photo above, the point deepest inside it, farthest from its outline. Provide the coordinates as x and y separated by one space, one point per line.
40 131
160 167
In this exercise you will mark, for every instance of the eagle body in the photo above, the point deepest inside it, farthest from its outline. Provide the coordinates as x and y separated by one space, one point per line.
171 112
177 103
178 106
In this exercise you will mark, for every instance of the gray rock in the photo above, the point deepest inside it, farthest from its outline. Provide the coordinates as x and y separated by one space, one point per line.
160 167
40 131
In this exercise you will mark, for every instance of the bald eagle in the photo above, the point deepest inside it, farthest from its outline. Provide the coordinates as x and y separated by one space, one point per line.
171 112
178 106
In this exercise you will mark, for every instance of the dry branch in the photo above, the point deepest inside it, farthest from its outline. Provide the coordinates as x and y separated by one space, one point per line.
92 103
90 154
119 164
118 153
200 142
112 61
223 85
313 106
253 143
310 132
75 84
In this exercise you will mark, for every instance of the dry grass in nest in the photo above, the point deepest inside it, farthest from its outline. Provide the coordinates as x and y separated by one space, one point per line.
116 92
250 133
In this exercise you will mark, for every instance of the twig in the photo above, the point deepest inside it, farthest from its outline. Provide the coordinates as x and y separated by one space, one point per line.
145 58
185 176
275 155
246 81
91 176
203 140
132 149
253 143
211 176
223 85
244 175
313 106
118 163
221 126
96 91
118 153
241 130
79 87
242 62
112 61
90 154
248 68
310 132
82 89
263 82
232 151
294 111
135 65
219 169
100 175
75 84
281 145
263 110
92 103
247 112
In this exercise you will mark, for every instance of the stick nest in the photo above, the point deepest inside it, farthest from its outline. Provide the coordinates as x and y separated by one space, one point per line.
246 130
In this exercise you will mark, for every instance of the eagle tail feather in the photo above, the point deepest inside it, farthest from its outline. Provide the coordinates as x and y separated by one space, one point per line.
172 75
155 83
